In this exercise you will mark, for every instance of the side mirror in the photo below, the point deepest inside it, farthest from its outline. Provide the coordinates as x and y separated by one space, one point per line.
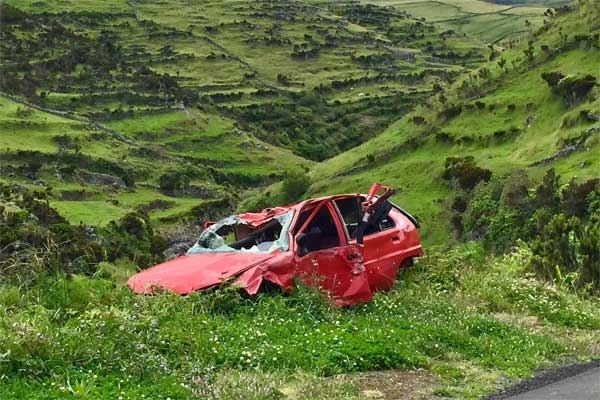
300 249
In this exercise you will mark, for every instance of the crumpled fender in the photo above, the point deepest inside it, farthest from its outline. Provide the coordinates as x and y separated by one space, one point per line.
278 270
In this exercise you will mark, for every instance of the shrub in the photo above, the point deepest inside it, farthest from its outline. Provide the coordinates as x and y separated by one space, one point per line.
515 190
569 246
593 200
450 112
505 228
34 239
546 193
295 184
574 196
482 206
173 181
464 171
552 78
571 88
576 87
418 120
133 237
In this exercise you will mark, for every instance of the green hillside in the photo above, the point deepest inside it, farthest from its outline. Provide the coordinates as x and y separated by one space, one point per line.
193 103
505 117
126 124
490 21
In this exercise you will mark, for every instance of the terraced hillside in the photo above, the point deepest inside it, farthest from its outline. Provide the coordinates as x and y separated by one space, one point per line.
197 101
532 108
186 109
490 21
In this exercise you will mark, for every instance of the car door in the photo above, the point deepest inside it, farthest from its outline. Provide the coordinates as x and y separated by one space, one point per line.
383 247
325 259
385 257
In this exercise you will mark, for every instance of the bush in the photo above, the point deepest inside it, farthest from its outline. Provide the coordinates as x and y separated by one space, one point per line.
133 237
574 196
515 191
172 182
552 78
503 211
464 171
295 184
35 239
450 112
567 249
546 193
576 87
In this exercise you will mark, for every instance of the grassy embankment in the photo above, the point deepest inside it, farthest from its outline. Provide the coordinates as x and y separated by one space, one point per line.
466 322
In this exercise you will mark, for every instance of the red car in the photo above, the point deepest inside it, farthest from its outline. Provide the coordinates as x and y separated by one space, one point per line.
350 245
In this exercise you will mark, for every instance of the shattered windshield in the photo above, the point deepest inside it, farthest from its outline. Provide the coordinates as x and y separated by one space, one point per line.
233 234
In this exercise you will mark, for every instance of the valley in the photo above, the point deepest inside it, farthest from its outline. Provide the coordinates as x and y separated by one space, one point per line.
126 125
227 104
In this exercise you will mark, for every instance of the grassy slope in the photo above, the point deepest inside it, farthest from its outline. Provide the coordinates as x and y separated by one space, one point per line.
416 171
215 141
484 20
471 323
208 137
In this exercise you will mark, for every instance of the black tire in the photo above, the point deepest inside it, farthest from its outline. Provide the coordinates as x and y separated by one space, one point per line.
407 263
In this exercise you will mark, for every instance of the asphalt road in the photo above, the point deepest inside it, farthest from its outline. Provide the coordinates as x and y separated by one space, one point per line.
583 386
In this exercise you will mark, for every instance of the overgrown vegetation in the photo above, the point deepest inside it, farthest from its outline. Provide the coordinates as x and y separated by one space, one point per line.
489 124
144 88
62 334
36 240
560 222
502 155
70 327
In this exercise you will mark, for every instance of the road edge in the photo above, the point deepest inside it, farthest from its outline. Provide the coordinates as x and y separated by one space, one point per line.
543 378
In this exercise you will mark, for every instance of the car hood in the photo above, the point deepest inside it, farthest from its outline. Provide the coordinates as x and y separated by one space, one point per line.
188 273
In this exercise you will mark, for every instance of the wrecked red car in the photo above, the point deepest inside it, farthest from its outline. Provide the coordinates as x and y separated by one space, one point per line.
350 245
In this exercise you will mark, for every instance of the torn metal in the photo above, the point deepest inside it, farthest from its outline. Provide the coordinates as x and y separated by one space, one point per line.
348 245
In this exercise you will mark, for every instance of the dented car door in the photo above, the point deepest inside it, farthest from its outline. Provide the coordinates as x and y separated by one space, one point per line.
324 258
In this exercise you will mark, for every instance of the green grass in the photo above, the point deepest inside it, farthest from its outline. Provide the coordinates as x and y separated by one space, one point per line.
210 133
474 322
477 18
466 325
193 133
92 212
34 131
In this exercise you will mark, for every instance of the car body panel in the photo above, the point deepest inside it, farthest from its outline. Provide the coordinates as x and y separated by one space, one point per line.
389 248
347 270
193 272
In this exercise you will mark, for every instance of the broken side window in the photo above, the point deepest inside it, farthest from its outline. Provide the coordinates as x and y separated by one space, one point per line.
234 234
351 214
349 208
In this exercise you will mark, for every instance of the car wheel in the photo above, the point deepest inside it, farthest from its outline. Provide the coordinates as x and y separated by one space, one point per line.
407 263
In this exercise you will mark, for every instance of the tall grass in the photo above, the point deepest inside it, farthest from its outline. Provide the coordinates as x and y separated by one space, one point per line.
77 335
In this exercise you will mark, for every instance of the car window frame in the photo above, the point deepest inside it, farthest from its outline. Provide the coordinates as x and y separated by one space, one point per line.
329 204
360 198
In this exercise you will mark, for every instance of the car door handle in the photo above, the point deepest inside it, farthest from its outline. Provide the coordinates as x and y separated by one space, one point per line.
395 239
